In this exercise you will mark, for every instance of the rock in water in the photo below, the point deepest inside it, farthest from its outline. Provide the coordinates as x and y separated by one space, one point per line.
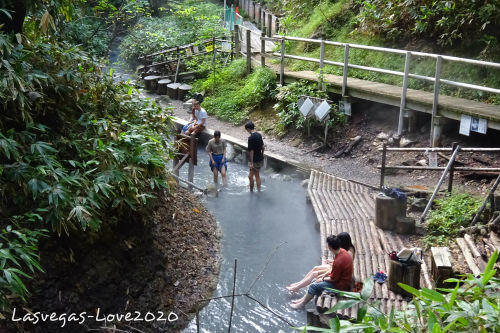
211 190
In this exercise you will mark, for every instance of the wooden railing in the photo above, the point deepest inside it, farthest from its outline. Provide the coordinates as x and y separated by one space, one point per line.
261 15
346 65
170 60
438 151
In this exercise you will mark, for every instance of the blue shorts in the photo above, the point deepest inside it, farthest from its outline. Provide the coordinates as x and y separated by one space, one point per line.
218 162
317 288
186 127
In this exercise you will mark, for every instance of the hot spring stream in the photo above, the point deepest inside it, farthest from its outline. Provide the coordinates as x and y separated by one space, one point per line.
253 225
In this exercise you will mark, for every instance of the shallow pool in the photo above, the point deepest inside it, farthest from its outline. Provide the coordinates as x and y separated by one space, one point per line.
253 225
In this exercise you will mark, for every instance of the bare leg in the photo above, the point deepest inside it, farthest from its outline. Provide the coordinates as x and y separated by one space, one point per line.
223 173
313 274
257 178
250 177
302 302
216 175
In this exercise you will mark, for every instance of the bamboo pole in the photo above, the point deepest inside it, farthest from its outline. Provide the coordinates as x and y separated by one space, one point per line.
232 298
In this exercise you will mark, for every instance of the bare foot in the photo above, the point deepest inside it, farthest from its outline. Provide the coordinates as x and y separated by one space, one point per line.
295 301
296 306
291 288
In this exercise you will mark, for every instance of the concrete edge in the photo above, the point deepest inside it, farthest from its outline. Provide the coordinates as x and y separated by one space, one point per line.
272 160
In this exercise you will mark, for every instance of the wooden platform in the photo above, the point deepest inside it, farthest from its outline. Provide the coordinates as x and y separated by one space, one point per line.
418 100
340 206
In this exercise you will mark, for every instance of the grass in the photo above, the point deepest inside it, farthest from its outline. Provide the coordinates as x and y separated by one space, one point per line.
450 214
337 22
231 94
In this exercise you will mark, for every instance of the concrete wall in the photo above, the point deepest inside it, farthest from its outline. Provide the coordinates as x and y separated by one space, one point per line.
271 160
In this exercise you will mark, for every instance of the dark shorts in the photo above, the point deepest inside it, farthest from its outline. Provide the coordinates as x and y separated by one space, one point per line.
258 165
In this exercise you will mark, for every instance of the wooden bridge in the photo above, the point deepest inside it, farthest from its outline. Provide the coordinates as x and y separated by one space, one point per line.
345 206
408 100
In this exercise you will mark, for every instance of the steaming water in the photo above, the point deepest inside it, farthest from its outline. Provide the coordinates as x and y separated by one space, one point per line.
253 225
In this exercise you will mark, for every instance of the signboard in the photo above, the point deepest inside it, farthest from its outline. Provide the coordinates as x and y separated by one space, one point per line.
345 107
209 47
468 124
306 107
433 161
322 110
465 121
479 125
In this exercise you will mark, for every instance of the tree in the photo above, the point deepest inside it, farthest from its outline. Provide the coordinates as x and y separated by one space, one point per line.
12 14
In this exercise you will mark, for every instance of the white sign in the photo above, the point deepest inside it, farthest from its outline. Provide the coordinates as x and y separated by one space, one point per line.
468 124
306 107
322 111
345 107
433 160
465 122
479 125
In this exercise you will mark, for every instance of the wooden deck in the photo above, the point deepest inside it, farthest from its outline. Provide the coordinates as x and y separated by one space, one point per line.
418 100
340 206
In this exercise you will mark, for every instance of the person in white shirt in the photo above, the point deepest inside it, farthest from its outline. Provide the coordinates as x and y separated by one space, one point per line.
200 119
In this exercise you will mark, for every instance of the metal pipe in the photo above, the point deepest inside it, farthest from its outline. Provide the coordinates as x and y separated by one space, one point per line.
410 167
469 149
377 70
402 106
435 101
282 62
401 52
345 70
471 86
262 48
441 180
321 65
204 191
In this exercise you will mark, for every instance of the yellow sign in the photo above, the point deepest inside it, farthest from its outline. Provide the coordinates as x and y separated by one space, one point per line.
209 48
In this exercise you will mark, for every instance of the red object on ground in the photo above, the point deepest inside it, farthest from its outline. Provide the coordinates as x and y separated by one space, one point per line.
237 10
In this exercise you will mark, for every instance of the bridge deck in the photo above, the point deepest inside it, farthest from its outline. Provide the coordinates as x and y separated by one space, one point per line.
418 100
341 205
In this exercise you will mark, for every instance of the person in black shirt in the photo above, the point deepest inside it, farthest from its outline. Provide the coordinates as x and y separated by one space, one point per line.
256 155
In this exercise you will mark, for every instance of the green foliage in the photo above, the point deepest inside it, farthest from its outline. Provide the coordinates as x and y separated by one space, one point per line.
472 306
231 94
471 23
450 213
289 116
184 23
385 23
76 148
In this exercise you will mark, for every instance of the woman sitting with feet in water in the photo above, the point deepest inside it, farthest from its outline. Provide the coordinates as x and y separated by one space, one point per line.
322 270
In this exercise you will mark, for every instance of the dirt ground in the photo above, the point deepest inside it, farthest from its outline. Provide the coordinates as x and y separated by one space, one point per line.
369 121
166 261
376 125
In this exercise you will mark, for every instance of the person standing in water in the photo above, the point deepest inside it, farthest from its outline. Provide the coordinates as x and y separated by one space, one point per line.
216 149
255 155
